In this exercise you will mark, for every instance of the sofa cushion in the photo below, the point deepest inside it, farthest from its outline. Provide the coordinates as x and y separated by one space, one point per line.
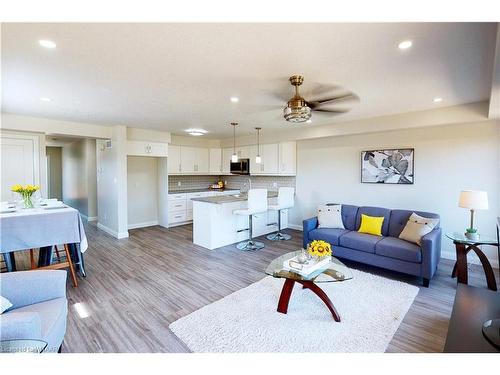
327 234
375 211
359 241
371 225
399 249
417 227
349 216
330 216
52 315
399 218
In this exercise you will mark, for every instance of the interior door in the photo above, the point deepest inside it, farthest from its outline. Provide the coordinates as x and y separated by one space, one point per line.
19 162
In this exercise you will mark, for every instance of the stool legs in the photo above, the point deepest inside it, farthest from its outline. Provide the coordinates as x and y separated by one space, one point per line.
250 244
278 236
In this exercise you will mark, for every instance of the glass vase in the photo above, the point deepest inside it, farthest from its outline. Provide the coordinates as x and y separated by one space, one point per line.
27 202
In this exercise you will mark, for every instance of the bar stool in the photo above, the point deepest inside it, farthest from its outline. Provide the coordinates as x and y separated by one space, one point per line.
257 204
285 201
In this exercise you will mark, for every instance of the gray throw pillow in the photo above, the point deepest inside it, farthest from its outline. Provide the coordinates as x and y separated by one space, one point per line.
330 216
417 227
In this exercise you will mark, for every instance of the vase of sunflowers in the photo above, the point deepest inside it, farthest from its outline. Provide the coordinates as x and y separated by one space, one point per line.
26 192
319 249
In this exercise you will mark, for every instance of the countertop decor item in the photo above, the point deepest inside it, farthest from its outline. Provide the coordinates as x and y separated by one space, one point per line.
319 249
26 192
473 200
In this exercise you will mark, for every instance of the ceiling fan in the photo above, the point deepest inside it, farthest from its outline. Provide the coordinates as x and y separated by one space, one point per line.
299 110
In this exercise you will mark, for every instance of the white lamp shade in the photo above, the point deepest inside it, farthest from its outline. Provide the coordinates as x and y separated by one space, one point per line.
473 199
234 158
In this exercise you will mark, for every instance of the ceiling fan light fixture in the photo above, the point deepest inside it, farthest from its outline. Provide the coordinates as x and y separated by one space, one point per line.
297 114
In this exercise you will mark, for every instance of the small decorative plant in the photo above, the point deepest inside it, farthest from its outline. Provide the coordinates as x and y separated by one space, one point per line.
471 230
319 249
25 192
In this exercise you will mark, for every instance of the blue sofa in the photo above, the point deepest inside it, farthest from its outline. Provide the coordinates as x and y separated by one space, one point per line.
386 251
39 306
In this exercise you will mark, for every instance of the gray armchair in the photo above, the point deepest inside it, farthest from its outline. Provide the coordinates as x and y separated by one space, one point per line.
39 306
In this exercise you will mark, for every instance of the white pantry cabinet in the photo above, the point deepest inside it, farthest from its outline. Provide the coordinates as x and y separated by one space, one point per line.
142 148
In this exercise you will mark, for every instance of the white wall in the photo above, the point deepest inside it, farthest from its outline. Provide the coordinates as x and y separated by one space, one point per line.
447 159
142 191
112 184
79 183
74 184
54 173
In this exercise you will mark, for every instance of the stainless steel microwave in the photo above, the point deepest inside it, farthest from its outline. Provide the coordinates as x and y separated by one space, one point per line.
242 166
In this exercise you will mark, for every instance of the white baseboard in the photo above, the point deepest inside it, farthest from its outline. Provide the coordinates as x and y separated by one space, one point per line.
143 224
295 226
112 232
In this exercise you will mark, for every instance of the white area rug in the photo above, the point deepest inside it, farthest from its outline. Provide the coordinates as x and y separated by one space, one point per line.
371 309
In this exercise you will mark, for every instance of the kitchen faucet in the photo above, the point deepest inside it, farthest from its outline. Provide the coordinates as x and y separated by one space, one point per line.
247 183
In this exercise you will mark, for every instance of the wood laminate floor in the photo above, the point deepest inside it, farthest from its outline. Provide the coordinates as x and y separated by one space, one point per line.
137 286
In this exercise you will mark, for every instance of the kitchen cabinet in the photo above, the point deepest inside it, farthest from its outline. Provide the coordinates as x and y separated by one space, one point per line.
288 158
174 160
270 160
141 148
201 160
226 160
215 164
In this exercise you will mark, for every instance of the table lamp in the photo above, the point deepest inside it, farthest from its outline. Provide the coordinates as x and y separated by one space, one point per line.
473 200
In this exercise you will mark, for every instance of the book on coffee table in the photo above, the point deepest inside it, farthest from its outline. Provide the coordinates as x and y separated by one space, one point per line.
307 268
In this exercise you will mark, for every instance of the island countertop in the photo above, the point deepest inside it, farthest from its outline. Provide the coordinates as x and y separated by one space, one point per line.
230 198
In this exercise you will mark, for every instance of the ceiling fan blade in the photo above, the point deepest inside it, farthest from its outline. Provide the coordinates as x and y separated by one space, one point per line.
332 110
338 98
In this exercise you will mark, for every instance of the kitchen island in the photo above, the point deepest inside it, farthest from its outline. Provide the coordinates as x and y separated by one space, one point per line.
215 225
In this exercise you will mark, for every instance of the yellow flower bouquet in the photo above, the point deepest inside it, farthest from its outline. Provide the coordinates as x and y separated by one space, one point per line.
319 249
25 192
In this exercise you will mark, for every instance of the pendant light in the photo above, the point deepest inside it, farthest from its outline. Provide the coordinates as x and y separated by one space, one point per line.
258 159
234 156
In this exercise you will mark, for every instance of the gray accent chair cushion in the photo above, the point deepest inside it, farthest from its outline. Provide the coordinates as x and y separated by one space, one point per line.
378 212
399 249
40 307
359 241
330 235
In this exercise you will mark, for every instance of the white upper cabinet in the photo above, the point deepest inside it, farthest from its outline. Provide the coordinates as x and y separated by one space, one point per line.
215 165
188 160
201 160
142 148
226 160
288 158
174 159
270 160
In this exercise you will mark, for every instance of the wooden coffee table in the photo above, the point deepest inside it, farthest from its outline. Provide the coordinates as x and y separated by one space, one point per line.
336 271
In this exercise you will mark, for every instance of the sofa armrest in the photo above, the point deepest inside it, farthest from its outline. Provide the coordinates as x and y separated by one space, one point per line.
25 288
20 325
307 226
431 252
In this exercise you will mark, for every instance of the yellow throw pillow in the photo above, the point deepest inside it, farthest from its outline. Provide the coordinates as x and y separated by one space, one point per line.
371 225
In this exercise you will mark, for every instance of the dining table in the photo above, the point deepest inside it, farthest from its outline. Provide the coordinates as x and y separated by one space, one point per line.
42 228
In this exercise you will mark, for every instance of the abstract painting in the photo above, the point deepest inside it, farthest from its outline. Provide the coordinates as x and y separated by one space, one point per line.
393 166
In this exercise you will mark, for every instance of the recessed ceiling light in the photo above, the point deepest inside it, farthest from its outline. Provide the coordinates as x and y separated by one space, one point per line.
405 44
44 99
437 100
234 99
196 132
47 43
309 121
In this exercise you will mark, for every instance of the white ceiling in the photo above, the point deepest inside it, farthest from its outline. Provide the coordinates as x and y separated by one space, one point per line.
177 76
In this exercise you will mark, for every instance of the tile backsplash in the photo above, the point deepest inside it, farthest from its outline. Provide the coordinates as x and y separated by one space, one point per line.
234 181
